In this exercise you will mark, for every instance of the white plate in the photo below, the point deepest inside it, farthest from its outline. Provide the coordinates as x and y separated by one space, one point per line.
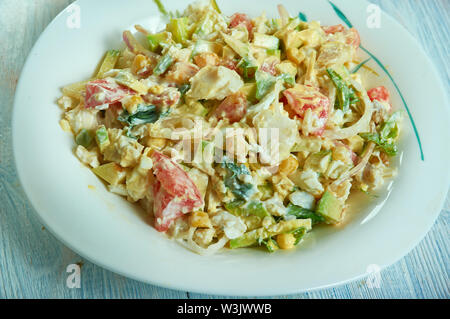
107 230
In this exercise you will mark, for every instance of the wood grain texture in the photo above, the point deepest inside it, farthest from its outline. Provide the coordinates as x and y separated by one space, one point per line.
33 263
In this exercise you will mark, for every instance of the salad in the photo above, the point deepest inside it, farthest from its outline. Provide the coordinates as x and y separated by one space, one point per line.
232 131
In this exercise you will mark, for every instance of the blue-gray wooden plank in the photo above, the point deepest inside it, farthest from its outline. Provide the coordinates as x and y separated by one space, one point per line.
33 262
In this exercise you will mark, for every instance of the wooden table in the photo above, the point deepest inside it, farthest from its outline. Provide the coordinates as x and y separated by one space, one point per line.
33 263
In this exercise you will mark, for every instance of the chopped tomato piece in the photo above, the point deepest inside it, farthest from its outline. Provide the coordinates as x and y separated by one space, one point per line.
230 64
181 72
269 67
168 97
233 108
166 208
206 58
379 93
174 192
104 91
333 29
303 97
241 18
353 38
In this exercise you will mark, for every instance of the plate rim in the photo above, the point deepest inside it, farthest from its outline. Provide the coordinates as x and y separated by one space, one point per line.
181 286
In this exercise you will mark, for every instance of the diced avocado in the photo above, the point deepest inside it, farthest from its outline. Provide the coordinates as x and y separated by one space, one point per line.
258 235
249 90
196 108
155 40
330 208
101 137
318 162
84 138
127 79
265 41
112 173
310 144
266 191
264 83
276 53
248 68
254 208
108 63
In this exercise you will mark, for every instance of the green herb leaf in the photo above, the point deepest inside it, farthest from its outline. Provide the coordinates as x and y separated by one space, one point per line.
389 148
84 138
298 233
144 114
239 189
303 213
345 94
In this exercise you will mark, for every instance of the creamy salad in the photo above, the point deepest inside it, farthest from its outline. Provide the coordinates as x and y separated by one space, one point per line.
234 131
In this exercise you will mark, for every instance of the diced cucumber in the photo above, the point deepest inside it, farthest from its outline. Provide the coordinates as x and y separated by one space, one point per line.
84 138
330 208
101 137
249 90
258 235
276 53
265 41
112 173
179 29
254 208
163 64
155 40
266 191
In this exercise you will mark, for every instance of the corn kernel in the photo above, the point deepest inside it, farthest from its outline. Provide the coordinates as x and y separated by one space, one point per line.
65 125
140 63
200 219
131 103
156 142
156 89
286 241
289 165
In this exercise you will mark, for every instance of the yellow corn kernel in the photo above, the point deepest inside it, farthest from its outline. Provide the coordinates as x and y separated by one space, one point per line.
289 165
156 89
140 62
65 125
295 55
200 219
286 241
131 103
155 142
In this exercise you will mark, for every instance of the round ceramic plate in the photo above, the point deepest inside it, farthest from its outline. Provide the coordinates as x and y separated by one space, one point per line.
104 228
